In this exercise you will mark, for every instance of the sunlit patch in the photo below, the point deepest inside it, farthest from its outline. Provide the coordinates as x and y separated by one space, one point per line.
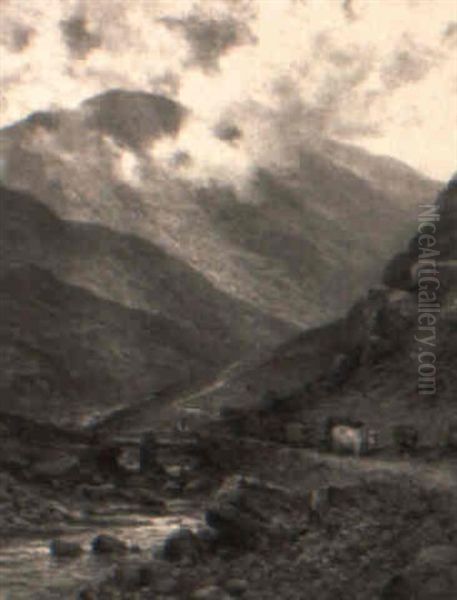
128 168
203 157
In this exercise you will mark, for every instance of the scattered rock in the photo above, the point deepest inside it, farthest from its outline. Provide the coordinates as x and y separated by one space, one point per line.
233 525
437 555
196 486
431 576
107 544
174 471
236 587
133 576
180 545
210 593
65 549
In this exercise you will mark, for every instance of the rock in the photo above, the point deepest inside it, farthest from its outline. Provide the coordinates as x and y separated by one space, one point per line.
106 458
295 434
97 492
149 499
431 576
210 593
198 485
233 525
148 454
172 487
180 545
319 502
107 544
438 555
166 586
342 367
88 592
133 576
174 471
236 587
451 440
65 549
64 466
208 537
406 437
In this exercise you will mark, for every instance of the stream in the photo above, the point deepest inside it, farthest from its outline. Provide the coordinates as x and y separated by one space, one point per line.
29 572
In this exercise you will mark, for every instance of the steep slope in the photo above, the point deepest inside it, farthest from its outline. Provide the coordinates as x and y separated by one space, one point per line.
68 352
367 364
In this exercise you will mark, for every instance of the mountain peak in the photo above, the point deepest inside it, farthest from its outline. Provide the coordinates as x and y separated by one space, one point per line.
134 118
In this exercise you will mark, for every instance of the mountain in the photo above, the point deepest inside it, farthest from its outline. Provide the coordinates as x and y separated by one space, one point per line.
122 278
68 351
367 365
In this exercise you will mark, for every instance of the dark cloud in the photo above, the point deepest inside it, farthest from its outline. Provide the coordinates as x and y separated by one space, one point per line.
450 34
228 132
181 159
209 39
21 38
17 37
348 9
78 39
408 65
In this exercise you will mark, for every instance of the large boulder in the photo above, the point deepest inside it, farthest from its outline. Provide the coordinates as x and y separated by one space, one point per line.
234 515
182 545
108 544
132 576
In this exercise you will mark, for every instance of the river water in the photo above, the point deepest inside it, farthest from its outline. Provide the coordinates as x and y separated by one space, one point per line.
28 572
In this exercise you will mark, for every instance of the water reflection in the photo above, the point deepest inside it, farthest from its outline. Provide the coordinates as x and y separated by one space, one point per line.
28 571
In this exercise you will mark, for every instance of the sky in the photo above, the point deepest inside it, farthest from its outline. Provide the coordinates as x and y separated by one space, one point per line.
258 76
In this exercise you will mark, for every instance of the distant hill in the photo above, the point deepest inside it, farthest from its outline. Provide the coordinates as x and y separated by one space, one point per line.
68 352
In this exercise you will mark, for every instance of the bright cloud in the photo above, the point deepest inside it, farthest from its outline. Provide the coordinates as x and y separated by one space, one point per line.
378 74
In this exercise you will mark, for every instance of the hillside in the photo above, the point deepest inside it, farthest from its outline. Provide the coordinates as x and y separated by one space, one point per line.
365 366
68 352
145 279
270 506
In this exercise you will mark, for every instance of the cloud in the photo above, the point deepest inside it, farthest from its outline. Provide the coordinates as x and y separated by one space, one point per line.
348 9
373 79
15 36
210 38
79 39
409 63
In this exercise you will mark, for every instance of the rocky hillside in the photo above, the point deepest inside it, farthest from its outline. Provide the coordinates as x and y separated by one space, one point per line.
365 366
122 278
